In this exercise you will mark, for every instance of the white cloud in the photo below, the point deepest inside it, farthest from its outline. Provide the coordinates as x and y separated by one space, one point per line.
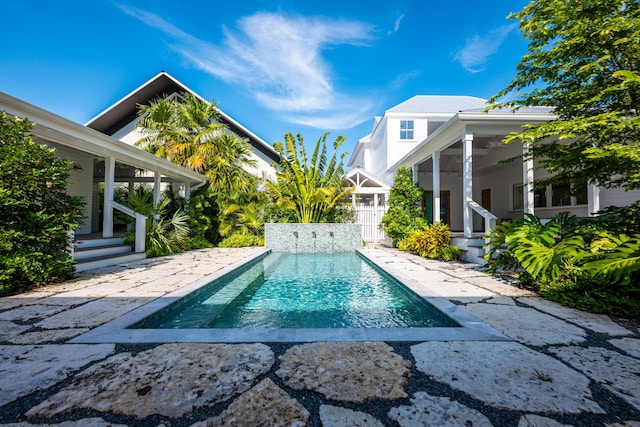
278 60
396 24
476 52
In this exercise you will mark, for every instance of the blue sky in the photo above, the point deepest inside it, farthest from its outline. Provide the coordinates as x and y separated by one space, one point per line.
274 66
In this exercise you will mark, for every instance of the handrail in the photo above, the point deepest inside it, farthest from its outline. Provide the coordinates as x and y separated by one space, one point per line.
141 224
490 220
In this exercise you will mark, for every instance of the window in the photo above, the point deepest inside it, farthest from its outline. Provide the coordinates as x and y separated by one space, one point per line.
560 195
406 129
518 197
540 198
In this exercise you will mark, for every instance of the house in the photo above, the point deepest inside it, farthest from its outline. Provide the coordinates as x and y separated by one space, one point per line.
455 151
105 157
120 120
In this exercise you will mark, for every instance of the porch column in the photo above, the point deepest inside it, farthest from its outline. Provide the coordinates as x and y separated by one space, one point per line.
467 183
436 186
593 199
187 191
157 182
414 172
109 184
527 180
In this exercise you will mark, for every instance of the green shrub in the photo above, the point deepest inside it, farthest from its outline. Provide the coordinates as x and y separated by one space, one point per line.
573 261
404 214
433 241
36 213
238 240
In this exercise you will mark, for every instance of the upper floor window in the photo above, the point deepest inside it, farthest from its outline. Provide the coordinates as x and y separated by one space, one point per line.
406 129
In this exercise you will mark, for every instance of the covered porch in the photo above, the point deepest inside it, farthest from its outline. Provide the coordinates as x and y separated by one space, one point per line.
469 183
102 163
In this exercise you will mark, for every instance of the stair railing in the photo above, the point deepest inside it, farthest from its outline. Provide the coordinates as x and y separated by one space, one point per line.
141 225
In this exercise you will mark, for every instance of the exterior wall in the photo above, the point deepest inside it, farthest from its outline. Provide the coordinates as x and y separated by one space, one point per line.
378 150
396 147
617 197
80 181
300 237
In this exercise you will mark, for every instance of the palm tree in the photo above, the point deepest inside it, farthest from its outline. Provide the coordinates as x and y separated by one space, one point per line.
311 188
187 131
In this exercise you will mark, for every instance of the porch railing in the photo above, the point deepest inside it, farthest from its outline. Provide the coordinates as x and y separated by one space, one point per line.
141 225
490 220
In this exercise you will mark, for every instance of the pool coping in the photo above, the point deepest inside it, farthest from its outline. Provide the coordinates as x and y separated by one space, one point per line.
115 331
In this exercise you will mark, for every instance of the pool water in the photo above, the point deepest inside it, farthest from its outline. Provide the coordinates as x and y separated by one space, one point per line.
310 290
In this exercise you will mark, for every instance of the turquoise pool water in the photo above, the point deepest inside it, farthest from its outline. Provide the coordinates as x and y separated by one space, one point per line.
318 290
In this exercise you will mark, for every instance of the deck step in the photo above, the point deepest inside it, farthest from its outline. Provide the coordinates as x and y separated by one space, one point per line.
107 261
95 252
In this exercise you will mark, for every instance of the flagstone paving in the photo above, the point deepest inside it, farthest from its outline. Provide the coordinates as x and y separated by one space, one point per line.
563 367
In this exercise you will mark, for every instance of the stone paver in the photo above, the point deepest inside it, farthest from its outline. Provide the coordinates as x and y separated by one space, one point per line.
566 364
170 380
336 416
47 336
595 322
630 346
506 375
618 373
427 410
531 420
85 422
266 405
357 372
527 325
25 369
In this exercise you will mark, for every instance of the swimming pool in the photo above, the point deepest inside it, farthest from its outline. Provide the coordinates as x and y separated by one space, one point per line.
122 330
304 290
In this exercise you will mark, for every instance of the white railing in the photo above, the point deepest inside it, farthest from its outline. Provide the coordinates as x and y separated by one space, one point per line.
141 224
490 220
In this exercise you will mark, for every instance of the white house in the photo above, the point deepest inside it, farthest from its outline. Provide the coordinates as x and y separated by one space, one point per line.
454 153
105 157
120 120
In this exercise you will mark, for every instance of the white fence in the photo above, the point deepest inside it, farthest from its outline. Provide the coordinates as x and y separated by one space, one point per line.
369 217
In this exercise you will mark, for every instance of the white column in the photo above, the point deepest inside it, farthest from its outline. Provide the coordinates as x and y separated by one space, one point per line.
109 184
157 182
187 191
527 180
467 183
436 186
593 199
414 172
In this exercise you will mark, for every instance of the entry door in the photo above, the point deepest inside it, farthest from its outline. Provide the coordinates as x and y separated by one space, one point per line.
427 206
486 202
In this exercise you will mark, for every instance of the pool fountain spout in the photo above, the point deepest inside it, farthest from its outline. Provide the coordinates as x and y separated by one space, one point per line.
313 234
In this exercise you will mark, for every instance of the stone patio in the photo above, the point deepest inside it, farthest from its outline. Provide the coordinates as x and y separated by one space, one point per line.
562 367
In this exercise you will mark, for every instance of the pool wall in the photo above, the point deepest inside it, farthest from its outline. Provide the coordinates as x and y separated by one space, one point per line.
312 237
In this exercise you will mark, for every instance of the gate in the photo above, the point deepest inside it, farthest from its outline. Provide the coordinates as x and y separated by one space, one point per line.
369 217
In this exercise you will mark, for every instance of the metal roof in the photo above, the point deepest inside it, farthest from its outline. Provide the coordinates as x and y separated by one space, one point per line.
438 104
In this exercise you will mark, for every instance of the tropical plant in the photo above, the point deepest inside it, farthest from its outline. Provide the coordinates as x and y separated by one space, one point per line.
404 214
311 188
573 261
433 241
166 233
186 130
36 213
583 60
239 240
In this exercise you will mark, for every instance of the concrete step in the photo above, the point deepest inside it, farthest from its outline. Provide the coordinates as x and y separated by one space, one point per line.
101 251
84 242
106 261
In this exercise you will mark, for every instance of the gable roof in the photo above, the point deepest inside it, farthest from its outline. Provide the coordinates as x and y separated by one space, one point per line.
438 104
125 111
